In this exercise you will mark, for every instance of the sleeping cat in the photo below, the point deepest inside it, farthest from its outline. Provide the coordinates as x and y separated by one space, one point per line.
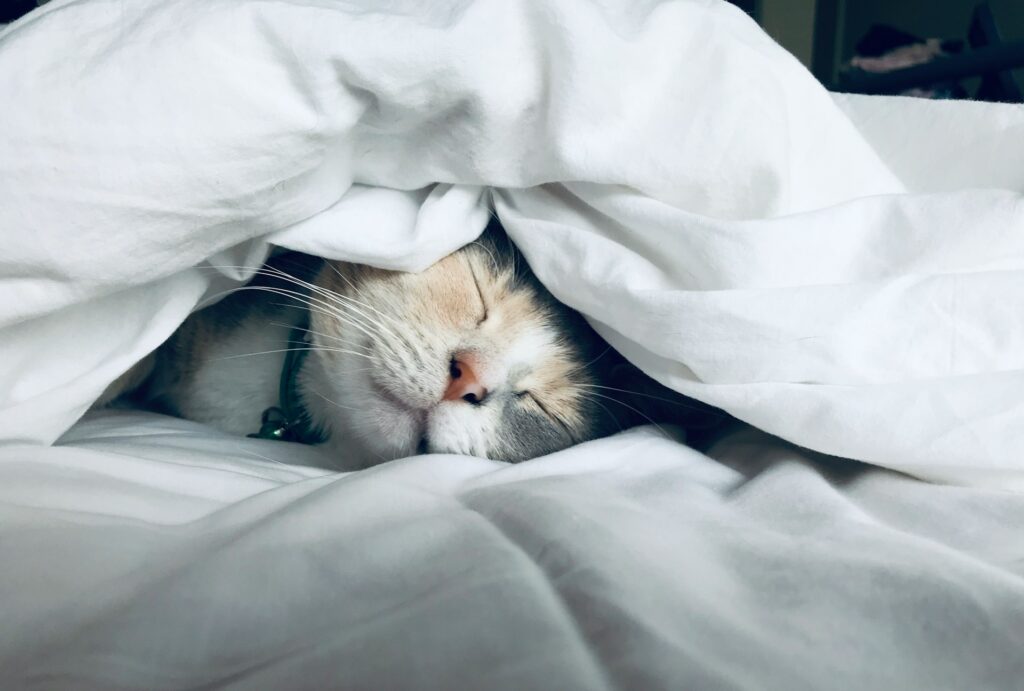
471 356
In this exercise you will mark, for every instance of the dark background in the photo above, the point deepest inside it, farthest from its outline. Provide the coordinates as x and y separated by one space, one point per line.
823 34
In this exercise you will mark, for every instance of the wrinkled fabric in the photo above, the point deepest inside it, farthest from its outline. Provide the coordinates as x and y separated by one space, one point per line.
844 272
145 552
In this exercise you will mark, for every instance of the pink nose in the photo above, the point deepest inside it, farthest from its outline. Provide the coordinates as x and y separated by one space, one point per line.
464 383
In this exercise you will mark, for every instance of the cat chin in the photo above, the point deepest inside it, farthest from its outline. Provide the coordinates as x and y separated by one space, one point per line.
455 427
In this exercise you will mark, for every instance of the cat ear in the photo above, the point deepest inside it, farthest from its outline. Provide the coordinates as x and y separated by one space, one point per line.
650 402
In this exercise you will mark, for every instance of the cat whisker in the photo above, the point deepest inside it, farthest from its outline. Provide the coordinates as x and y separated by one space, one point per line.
314 304
681 404
281 350
625 405
379 341
333 305
603 353
328 296
342 300
346 351
494 260
347 343
333 402
358 302
345 347
610 413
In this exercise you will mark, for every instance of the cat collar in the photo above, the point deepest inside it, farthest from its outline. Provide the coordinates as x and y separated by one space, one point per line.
289 421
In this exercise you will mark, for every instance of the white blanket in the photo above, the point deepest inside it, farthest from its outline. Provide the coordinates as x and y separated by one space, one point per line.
843 272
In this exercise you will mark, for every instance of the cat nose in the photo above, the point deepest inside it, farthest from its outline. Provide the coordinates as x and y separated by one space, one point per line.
464 383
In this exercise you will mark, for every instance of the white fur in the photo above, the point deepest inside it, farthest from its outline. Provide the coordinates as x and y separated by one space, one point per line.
455 427
529 347
232 386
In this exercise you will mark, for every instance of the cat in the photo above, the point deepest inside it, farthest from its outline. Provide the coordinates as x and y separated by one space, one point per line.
471 356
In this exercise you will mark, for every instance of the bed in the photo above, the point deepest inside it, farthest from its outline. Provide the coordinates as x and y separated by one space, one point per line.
843 274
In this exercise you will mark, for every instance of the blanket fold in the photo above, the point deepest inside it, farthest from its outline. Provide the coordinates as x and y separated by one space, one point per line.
741 234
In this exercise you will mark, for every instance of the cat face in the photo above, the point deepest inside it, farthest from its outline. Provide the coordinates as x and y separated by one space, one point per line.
471 356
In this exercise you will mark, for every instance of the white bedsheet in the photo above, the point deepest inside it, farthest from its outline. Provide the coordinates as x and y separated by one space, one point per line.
843 272
152 553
